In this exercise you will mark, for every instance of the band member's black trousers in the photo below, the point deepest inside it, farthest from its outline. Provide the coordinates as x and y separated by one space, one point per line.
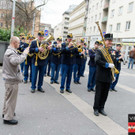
102 89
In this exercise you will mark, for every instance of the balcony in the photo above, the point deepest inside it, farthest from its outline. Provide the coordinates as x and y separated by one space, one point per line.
104 20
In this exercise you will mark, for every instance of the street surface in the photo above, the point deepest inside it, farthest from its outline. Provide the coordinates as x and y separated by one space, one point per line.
52 113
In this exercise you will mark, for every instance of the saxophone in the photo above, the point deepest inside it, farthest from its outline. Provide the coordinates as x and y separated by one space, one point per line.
107 55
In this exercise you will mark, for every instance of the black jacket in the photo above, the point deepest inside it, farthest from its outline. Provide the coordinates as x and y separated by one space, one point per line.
103 74
56 56
68 55
34 49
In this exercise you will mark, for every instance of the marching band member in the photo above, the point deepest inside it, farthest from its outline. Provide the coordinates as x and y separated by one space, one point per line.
104 75
118 59
21 48
79 63
48 62
38 65
92 67
55 61
68 51
84 59
28 61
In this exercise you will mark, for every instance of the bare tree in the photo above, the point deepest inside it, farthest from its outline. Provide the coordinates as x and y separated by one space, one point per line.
25 11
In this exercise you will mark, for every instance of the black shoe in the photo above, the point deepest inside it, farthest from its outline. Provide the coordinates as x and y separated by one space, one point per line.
110 90
89 90
114 90
103 112
78 82
3 115
10 122
75 82
32 90
41 90
69 91
92 89
61 91
25 81
56 82
96 113
82 76
49 75
51 82
44 75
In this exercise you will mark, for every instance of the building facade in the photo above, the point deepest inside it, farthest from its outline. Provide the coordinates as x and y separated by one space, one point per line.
97 11
58 30
5 8
121 22
63 27
6 16
115 17
76 22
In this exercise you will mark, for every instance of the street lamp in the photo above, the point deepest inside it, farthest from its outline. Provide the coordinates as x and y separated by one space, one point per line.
13 19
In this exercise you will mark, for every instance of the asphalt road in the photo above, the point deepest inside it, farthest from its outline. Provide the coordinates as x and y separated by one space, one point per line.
52 113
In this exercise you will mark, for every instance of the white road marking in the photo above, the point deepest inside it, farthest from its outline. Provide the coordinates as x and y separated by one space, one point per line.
104 123
126 88
127 74
121 85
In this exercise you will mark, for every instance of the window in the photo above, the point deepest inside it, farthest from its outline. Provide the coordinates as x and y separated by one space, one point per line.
101 3
95 17
97 6
130 7
1 24
66 28
94 28
112 13
90 29
110 28
120 10
66 18
93 8
99 16
89 10
2 15
118 27
66 23
65 32
91 19
128 24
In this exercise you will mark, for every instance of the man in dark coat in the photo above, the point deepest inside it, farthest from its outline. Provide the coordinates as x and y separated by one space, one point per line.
103 76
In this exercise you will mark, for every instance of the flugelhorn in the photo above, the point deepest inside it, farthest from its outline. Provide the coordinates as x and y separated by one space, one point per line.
108 57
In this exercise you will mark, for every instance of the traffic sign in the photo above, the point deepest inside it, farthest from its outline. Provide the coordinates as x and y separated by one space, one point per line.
46 32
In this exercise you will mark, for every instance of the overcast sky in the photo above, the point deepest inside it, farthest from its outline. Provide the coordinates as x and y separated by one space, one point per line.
52 12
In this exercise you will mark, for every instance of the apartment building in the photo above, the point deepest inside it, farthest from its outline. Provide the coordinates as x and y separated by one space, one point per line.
62 28
121 22
76 22
97 11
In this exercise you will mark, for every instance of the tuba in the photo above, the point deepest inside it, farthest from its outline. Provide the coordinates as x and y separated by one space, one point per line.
44 55
108 57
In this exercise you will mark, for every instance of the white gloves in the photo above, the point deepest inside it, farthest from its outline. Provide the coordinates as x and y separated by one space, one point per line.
111 65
